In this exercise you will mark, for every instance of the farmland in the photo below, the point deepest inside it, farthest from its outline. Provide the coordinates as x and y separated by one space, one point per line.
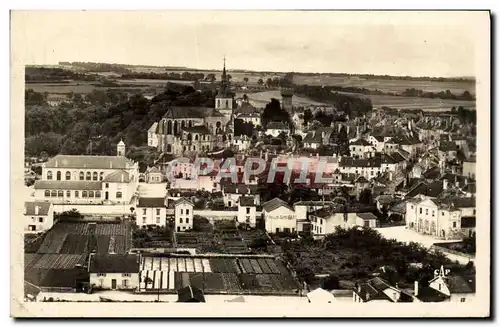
260 99
213 274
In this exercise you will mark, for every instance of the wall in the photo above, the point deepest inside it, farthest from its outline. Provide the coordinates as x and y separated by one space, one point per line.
242 215
280 218
106 281
47 223
121 209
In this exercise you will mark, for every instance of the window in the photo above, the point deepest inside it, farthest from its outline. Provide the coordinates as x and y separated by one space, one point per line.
248 211
124 283
157 212
432 213
40 219
426 212
143 220
118 195
88 176
84 194
49 175
107 185
97 194
187 220
60 194
101 176
94 176
91 194
143 211
411 206
182 211
77 195
82 176
47 193
277 230
420 210
126 275
101 275
58 174
462 299
321 221
442 213
53 193
180 220
366 223
187 212
454 224
474 212
439 286
157 220
68 175
68 194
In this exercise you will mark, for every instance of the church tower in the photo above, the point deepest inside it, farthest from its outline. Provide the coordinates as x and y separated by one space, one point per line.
120 149
224 98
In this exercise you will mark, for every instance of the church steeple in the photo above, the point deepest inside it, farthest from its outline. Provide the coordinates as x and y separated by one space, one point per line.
224 90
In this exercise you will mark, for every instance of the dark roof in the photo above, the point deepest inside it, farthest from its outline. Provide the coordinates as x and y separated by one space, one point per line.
181 200
353 162
461 284
68 185
89 162
247 201
275 204
188 112
151 203
447 146
362 179
366 216
43 208
114 263
242 189
432 190
428 294
277 125
379 138
432 173
119 176
190 294
362 142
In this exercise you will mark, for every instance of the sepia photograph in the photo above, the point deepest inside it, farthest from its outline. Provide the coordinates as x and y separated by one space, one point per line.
261 163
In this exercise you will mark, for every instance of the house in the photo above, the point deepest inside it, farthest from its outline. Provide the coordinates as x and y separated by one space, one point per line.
233 192
447 150
440 218
369 168
457 288
276 128
247 211
153 175
151 211
302 210
250 117
38 216
379 290
312 140
377 142
183 212
114 271
320 295
361 148
190 294
326 220
279 216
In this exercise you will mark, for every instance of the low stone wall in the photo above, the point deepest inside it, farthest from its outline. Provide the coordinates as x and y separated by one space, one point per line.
95 209
446 250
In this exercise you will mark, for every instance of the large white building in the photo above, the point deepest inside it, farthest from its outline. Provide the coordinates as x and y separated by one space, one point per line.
326 220
183 211
441 218
75 179
151 211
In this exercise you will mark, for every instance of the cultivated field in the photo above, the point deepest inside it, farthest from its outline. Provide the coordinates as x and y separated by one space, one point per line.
237 275
425 104
87 87
260 99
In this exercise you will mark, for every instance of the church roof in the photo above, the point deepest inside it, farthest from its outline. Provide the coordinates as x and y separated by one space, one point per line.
89 162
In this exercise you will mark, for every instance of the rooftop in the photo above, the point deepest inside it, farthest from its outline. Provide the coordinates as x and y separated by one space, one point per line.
151 203
114 263
89 162
43 208
68 185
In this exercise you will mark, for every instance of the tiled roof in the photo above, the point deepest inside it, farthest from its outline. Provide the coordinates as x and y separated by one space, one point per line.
153 128
119 176
461 284
362 142
68 185
447 146
276 125
353 162
151 203
247 201
188 112
89 162
153 170
43 208
432 190
428 294
366 216
114 263
274 204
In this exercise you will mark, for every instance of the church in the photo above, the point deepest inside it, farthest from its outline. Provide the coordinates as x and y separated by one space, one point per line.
183 130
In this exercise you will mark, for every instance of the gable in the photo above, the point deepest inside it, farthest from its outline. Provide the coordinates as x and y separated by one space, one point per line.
428 203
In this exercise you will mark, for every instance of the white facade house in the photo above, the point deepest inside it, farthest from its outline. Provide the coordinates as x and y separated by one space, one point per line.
247 210
455 287
325 221
183 215
279 216
151 211
153 175
362 149
276 128
440 218
38 216
114 271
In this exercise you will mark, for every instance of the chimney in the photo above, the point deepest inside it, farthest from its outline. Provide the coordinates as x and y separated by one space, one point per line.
445 184
416 288
390 175
37 210
237 191
57 164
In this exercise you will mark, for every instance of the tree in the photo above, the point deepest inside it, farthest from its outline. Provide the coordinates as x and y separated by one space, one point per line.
269 82
331 282
245 79
307 116
260 82
273 112
365 197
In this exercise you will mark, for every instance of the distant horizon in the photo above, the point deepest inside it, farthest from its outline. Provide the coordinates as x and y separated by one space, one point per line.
229 69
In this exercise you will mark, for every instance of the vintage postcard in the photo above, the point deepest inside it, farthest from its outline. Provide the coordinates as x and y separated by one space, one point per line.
258 163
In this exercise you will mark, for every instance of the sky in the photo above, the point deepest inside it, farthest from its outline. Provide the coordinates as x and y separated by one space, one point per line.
388 43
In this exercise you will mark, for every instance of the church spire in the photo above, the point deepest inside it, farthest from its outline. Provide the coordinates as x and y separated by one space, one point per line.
224 85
